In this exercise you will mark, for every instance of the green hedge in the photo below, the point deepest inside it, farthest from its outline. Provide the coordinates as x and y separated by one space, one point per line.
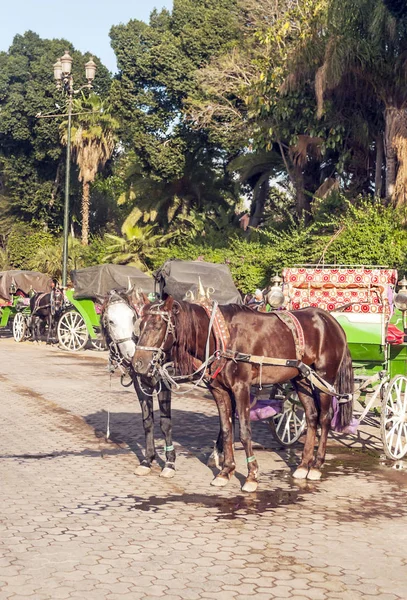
23 242
369 233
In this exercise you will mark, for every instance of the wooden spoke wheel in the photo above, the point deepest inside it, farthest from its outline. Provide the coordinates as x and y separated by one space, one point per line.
72 331
393 421
287 426
19 327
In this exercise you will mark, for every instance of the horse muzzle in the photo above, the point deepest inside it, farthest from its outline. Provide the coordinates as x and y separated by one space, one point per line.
147 361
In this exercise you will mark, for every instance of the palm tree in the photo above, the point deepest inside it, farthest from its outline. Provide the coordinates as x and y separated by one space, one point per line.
49 259
136 245
203 188
366 45
93 140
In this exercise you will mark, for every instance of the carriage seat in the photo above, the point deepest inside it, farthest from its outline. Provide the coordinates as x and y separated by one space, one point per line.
361 299
363 290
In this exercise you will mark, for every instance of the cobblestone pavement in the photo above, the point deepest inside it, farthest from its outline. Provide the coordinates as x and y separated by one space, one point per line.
75 522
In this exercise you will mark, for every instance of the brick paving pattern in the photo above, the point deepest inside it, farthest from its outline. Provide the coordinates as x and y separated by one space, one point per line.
75 522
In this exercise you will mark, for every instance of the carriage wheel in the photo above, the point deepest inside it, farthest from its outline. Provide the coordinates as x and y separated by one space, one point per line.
393 420
72 331
98 344
19 327
288 426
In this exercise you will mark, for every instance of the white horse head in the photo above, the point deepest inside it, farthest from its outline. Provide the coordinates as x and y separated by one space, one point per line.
120 321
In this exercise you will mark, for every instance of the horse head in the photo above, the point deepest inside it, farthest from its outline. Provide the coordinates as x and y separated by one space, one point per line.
58 300
157 336
118 321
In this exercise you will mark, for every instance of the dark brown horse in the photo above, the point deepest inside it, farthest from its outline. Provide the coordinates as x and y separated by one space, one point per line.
182 328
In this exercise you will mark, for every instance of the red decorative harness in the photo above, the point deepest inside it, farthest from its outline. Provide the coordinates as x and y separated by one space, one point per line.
221 333
296 329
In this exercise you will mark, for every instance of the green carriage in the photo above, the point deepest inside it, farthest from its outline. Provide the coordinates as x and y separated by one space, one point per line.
363 301
79 323
16 287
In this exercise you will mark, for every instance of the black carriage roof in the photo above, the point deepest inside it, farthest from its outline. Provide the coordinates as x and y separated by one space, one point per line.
177 277
95 282
24 281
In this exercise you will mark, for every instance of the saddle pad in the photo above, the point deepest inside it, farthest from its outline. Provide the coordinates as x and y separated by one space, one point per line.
295 327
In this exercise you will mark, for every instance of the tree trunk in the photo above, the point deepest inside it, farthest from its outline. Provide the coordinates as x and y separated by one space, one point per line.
85 212
259 203
396 155
390 117
378 182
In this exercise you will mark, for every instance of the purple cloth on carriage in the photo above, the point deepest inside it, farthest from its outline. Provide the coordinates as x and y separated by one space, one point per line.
335 425
265 409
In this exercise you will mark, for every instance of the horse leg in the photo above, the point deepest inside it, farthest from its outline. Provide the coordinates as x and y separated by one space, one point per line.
216 457
147 413
325 419
37 327
311 414
224 404
242 396
164 401
49 321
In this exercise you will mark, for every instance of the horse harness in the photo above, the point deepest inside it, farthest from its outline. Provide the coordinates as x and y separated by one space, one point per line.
218 326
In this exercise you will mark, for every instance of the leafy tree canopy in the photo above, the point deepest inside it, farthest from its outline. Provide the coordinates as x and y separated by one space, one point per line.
31 157
156 66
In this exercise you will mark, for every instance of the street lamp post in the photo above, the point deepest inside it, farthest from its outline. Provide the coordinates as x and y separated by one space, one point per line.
64 81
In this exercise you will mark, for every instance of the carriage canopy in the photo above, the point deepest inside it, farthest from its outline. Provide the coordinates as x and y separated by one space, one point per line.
25 281
95 282
177 277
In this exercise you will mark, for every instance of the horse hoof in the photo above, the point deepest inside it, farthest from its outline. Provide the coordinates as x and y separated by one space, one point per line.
314 474
220 481
167 473
250 486
142 470
300 473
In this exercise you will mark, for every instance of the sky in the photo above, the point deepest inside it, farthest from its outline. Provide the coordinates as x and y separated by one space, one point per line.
85 23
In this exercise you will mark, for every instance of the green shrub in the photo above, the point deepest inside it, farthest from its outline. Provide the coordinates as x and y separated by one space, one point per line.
23 242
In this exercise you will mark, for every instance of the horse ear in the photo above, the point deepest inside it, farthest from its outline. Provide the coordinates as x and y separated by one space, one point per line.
169 303
144 297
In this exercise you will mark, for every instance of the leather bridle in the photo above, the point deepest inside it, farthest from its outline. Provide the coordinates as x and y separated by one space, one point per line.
158 353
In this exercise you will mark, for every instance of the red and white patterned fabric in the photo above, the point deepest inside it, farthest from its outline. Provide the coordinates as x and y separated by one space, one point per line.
366 290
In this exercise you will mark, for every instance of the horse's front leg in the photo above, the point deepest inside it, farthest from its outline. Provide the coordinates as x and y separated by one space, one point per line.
37 326
147 413
242 396
224 403
164 401
311 415
49 330
216 458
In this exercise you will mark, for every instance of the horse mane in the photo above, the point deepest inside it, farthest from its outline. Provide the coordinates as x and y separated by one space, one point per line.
189 320
188 323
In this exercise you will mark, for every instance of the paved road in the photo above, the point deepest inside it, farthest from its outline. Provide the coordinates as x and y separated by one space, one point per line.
75 522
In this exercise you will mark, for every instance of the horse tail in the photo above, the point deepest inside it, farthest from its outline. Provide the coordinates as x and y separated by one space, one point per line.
344 384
